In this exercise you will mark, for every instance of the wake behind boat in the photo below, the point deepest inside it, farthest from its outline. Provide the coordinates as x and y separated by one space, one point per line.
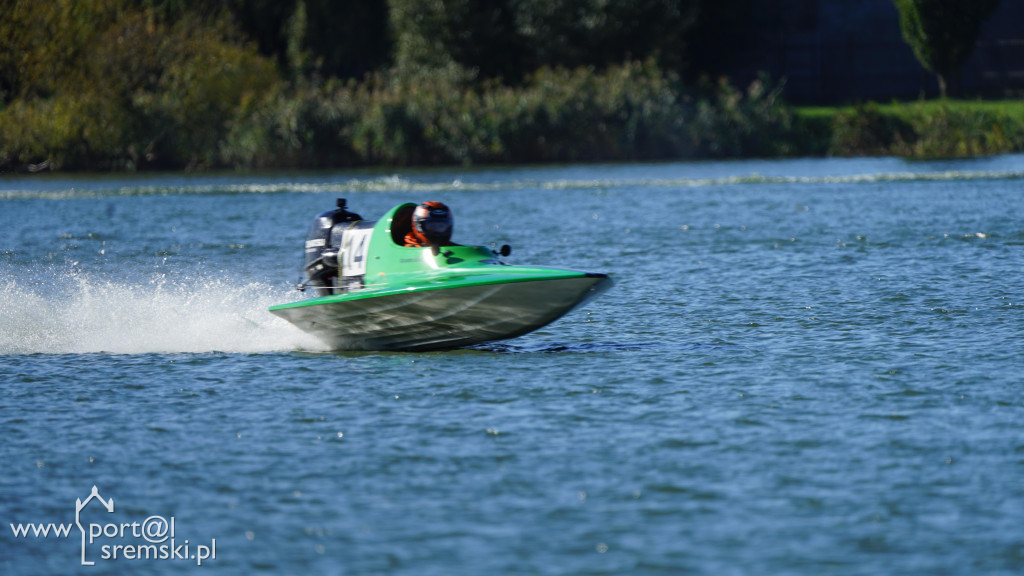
377 293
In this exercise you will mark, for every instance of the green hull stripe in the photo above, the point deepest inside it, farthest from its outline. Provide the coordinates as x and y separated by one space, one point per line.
442 284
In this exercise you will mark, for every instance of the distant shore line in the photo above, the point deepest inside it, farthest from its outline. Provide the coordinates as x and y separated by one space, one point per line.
631 112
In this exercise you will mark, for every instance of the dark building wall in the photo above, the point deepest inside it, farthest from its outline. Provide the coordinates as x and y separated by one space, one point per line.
839 51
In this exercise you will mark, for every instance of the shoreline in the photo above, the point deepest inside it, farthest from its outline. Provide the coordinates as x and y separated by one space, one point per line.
743 126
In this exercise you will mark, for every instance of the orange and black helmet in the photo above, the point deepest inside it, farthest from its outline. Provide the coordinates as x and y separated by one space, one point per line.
432 223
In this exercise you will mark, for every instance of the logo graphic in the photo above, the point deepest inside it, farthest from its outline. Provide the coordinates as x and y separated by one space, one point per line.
116 539
79 506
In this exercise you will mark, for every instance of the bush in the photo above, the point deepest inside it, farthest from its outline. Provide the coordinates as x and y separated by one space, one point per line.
732 124
629 112
925 130
306 128
865 131
960 131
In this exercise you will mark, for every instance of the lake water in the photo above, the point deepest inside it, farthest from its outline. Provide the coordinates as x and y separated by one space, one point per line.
805 367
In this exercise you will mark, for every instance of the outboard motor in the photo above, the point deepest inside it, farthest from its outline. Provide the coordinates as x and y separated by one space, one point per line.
323 243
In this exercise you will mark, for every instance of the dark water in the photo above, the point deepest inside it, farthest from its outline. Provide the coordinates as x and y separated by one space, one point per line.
805 367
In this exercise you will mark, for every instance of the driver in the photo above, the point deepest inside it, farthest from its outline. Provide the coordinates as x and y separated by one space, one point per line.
431 226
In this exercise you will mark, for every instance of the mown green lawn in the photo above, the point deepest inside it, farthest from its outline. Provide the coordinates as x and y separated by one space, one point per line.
1014 109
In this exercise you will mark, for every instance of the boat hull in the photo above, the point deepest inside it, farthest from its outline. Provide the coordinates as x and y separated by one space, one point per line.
432 319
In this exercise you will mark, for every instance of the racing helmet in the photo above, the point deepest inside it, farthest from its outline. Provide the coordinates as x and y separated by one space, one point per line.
432 221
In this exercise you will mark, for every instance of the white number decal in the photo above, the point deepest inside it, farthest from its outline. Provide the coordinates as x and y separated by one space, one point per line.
354 246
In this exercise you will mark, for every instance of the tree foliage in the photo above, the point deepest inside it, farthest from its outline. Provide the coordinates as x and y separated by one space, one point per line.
942 33
319 37
129 84
509 39
109 83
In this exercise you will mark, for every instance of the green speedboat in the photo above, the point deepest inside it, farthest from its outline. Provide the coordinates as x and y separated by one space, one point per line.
374 293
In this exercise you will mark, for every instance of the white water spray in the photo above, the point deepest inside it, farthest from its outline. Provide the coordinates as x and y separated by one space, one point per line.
84 315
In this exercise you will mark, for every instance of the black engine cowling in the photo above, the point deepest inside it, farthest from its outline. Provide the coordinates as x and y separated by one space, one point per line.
323 242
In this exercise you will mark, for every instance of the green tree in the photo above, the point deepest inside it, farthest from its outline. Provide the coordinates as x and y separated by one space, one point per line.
323 37
460 35
107 83
600 33
510 39
348 39
41 46
942 33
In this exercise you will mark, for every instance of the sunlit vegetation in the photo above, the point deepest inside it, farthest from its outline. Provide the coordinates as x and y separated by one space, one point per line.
922 129
105 85
626 112
193 84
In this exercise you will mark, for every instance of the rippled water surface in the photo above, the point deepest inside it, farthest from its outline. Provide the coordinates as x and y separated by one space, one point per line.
805 367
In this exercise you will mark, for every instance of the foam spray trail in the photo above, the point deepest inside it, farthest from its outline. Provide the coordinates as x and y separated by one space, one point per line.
160 316
59 190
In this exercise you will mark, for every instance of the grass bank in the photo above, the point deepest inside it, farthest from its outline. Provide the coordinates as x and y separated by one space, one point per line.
920 129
